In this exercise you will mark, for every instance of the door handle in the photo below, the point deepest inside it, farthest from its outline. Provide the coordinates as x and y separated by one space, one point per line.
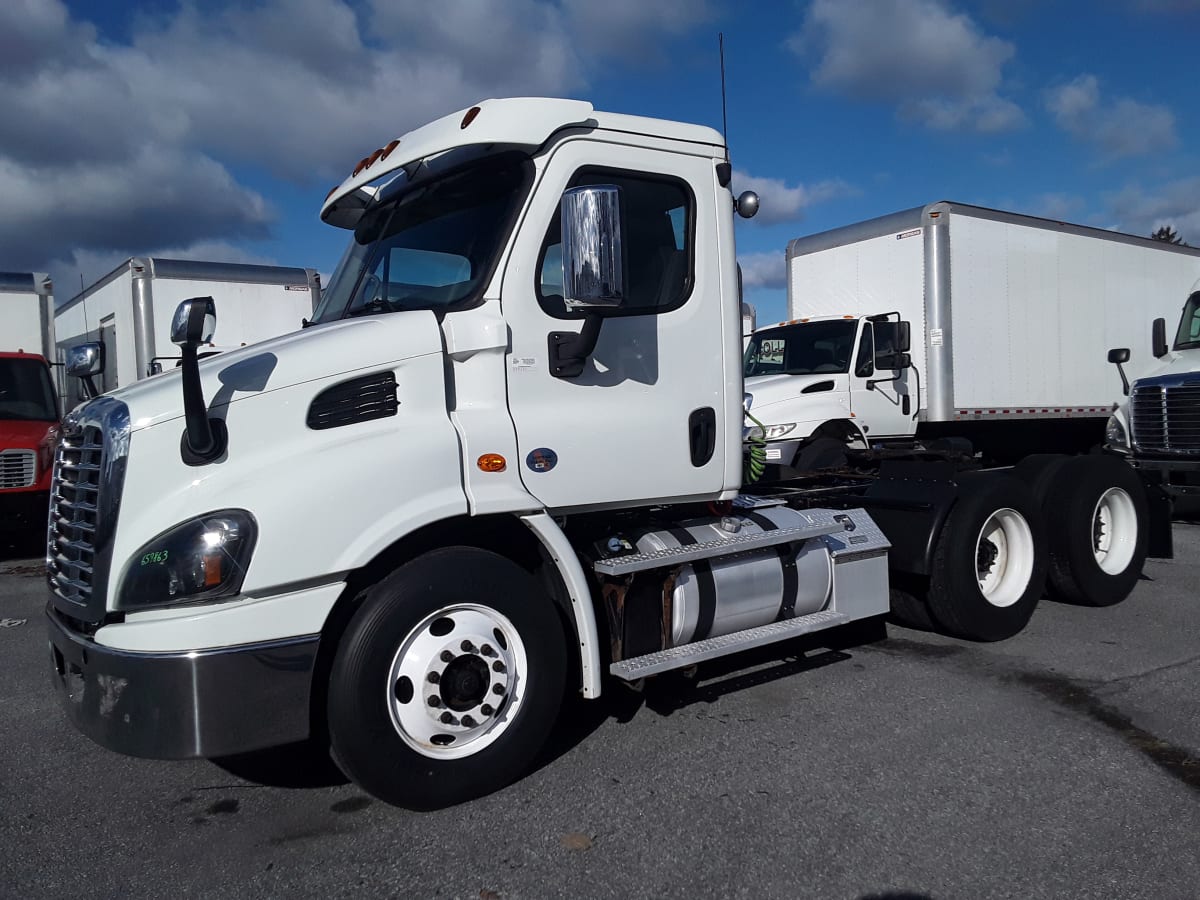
702 435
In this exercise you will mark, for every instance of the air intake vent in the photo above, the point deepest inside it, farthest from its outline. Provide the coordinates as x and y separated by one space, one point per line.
356 400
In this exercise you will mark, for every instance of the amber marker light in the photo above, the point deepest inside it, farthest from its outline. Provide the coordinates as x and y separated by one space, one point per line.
492 462
387 151
469 117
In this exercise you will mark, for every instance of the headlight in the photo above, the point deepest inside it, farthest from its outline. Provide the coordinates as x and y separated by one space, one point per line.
769 433
1114 434
199 560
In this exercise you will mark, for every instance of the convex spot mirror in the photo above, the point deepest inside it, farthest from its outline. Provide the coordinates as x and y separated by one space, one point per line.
592 252
85 360
194 322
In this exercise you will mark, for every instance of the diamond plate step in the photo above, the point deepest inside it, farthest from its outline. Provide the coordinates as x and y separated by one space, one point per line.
736 543
690 654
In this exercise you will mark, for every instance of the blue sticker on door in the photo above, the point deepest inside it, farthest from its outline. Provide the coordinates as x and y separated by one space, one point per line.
543 459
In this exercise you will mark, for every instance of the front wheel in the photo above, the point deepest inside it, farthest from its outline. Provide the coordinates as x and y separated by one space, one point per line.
448 679
989 566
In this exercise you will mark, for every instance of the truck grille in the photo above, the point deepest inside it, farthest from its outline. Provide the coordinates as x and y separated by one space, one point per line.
18 468
89 469
1166 416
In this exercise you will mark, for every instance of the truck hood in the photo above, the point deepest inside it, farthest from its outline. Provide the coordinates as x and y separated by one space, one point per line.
21 434
1177 362
770 389
347 347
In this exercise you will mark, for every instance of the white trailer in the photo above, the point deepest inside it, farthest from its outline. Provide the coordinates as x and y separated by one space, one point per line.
129 312
506 460
27 313
1011 318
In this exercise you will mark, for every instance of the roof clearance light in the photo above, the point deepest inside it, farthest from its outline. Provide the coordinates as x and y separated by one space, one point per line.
469 117
387 151
331 190
374 157
492 462
362 164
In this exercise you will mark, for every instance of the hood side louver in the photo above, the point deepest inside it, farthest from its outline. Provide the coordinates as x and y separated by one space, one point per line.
357 400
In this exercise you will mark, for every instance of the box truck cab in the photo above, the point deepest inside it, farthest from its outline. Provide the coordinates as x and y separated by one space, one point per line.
29 407
1158 427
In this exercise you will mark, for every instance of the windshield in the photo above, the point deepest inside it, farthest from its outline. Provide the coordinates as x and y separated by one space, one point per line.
810 348
428 244
26 392
1188 336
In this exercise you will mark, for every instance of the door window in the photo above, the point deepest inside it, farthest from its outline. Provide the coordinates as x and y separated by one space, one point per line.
657 233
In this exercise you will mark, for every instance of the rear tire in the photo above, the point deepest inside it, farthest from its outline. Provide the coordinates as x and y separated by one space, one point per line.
989 566
447 680
1099 544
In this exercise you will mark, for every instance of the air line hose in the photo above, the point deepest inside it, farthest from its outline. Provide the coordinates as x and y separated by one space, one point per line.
756 457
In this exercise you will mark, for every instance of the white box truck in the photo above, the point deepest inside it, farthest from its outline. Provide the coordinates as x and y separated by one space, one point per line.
29 408
506 461
1158 428
129 310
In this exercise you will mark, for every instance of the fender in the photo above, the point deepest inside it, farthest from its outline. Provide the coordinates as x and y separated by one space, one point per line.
575 580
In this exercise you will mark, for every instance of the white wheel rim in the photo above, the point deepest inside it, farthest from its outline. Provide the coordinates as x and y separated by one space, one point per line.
457 681
1004 557
1114 531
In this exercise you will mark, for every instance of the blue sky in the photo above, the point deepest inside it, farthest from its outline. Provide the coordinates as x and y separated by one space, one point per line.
214 130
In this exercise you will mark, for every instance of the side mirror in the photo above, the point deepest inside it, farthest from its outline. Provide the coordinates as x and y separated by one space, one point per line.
85 360
592 252
1118 356
746 204
194 322
1158 338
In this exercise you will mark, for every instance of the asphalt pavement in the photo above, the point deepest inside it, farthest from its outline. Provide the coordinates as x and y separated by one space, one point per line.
1062 763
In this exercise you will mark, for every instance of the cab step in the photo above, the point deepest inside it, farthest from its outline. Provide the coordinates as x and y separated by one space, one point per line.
690 654
735 543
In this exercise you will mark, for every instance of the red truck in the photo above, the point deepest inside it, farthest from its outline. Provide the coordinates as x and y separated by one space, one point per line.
29 407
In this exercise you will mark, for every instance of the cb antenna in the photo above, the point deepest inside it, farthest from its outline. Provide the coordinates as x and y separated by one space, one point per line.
724 119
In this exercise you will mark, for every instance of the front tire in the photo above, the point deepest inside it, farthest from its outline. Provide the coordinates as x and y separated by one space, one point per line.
1097 554
989 566
448 679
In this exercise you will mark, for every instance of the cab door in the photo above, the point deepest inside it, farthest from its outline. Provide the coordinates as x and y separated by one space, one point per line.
879 397
645 419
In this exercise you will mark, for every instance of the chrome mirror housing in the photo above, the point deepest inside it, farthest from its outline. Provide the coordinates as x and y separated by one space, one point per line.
194 322
592 255
85 360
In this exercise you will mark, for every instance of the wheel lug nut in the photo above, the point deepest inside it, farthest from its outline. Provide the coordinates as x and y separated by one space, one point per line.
447 656
433 677
498 666
448 719
487 650
486 710
498 689
469 722
435 702
468 647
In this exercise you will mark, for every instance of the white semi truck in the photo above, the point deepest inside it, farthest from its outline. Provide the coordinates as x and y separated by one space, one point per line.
128 313
506 461
1158 428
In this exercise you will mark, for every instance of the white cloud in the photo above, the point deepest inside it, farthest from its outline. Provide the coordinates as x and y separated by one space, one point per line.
779 202
1119 128
1140 210
763 270
115 145
935 65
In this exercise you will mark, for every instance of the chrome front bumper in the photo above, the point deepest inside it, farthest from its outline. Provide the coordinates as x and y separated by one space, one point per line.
205 703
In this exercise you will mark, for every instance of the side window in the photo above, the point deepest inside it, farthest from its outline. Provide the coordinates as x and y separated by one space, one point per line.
657 231
864 364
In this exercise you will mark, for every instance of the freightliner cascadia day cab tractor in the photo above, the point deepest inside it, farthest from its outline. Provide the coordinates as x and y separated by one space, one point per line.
1158 428
29 408
506 460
